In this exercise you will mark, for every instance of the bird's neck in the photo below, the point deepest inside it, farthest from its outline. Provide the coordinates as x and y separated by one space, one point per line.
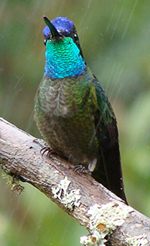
63 59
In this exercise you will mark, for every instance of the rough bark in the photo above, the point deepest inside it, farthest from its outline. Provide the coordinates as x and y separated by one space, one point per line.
91 204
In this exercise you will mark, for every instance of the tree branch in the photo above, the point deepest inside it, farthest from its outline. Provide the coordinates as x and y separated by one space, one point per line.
91 204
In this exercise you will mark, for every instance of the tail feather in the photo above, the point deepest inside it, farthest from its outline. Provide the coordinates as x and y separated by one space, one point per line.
108 169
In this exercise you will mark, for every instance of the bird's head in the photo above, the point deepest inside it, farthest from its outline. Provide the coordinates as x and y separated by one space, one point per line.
64 56
59 28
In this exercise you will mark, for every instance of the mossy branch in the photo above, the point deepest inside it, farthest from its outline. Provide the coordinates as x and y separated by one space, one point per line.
91 204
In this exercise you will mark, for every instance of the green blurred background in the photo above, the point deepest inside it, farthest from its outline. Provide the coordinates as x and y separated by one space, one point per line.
115 38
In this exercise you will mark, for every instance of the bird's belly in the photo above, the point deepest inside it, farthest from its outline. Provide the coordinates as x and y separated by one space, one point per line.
65 119
73 138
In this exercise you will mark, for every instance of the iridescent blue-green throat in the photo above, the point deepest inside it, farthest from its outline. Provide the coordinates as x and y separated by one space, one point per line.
63 59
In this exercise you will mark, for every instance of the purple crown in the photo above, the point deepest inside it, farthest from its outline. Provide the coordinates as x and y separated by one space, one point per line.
62 24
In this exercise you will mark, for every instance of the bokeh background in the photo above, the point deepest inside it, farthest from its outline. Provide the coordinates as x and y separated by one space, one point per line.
115 38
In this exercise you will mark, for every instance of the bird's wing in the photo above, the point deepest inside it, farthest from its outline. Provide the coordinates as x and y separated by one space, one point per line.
108 169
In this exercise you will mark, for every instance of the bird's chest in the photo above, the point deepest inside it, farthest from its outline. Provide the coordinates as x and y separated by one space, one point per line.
64 98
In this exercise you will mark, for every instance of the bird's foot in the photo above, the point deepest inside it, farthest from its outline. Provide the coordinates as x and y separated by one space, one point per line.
48 150
81 169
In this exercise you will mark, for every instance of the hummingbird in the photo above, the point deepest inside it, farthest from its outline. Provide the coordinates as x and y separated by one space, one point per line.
72 110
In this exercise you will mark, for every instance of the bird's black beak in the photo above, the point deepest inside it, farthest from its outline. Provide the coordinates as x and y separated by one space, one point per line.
55 34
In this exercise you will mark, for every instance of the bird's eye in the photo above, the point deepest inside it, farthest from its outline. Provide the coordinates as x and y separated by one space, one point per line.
47 37
75 37
45 41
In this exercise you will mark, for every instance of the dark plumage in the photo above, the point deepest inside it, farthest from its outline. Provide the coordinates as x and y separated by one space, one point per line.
72 110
